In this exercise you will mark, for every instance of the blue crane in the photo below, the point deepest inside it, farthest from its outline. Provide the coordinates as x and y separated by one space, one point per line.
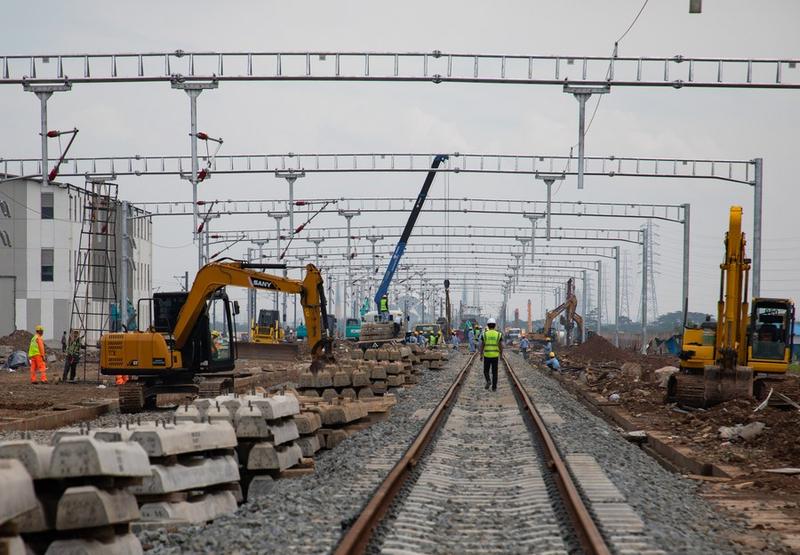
412 220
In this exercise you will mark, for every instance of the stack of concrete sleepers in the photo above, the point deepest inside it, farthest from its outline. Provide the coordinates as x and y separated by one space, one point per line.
194 475
82 503
17 499
349 378
268 440
338 419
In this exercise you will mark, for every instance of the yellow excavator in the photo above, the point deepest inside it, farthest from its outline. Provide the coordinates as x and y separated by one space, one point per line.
745 353
570 319
190 344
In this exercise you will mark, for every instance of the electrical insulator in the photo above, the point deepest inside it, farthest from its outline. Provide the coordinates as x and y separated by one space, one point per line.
53 174
200 227
202 174
300 203
52 134
299 228
215 236
201 203
202 136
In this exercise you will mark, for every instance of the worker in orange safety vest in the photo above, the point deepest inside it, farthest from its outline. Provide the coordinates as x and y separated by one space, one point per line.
36 356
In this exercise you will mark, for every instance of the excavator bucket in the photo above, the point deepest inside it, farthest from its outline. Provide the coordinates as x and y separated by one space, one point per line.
716 385
267 351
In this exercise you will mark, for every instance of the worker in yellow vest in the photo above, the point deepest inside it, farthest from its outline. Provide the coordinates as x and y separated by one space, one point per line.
36 356
491 350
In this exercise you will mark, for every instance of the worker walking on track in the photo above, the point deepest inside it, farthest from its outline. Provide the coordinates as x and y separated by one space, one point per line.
491 350
36 354
471 339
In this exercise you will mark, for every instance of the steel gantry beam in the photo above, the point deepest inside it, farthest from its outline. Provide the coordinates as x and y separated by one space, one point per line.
485 232
739 171
433 67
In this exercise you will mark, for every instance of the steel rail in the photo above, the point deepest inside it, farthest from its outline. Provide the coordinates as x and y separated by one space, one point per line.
358 536
589 535
356 539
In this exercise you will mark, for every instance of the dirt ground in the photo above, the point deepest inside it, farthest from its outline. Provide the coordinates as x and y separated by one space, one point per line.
597 364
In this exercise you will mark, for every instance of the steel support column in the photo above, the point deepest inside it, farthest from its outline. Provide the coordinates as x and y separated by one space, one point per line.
616 295
549 179
644 290
686 236
582 94
758 193
43 93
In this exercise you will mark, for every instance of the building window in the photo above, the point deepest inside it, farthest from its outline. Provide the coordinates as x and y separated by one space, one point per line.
47 206
47 264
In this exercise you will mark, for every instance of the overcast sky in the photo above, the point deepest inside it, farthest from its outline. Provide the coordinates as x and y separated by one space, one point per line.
362 117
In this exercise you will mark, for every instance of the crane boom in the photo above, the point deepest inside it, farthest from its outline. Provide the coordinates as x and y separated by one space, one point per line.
412 220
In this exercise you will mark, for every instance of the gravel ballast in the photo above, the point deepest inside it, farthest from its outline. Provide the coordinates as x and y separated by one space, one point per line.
677 518
308 514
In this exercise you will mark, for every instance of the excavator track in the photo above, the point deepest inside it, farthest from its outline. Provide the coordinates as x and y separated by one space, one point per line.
131 397
215 387
687 389
714 386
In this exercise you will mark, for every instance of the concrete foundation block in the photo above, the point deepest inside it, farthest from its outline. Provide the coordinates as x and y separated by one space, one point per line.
343 413
394 368
219 413
332 437
113 434
306 379
126 544
34 456
307 422
348 393
378 373
395 380
379 387
360 378
329 394
275 406
200 472
201 509
265 456
308 445
89 507
17 495
12 545
341 379
371 354
365 393
38 519
323 379
190 413
203 403
260 486
229 401
177 439
250 423
81 456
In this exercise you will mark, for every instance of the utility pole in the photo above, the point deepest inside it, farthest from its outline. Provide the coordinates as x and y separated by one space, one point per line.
549 179
252 293
316 241
373 277
582 94
348 215
193 89
290 176
43 93
533 218
616 296
524 241
279 215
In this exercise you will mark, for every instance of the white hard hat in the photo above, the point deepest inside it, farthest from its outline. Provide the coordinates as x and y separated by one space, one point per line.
491 321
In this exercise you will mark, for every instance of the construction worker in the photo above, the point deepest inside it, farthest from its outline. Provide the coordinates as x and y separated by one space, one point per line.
73 356
548 346
491 350
439 337
523 347
432 339
478 333
36 354
383 307
552 362
64 342
455 341
471 339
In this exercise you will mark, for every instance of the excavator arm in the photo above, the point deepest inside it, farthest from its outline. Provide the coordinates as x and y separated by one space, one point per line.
217 275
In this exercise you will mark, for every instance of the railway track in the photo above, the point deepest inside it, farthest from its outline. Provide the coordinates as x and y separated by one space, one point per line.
484 475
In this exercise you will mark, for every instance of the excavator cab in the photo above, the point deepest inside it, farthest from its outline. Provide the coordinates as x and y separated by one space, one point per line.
771 331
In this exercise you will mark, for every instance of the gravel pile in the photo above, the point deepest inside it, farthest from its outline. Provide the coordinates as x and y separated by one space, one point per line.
308 514
676 517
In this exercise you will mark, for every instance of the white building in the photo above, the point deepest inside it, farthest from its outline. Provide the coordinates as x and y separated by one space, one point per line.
40 235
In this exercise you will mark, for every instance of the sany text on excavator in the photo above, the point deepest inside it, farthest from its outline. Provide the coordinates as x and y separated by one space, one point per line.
190 343
743 352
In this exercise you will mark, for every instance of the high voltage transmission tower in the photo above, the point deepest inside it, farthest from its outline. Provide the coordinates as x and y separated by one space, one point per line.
651 236
625 306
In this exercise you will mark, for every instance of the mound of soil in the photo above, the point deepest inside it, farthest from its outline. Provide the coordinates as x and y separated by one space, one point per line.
19 340
597 348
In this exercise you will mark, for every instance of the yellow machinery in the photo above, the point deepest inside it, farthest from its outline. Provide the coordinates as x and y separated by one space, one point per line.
570 318
267 329
719 359
190 345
